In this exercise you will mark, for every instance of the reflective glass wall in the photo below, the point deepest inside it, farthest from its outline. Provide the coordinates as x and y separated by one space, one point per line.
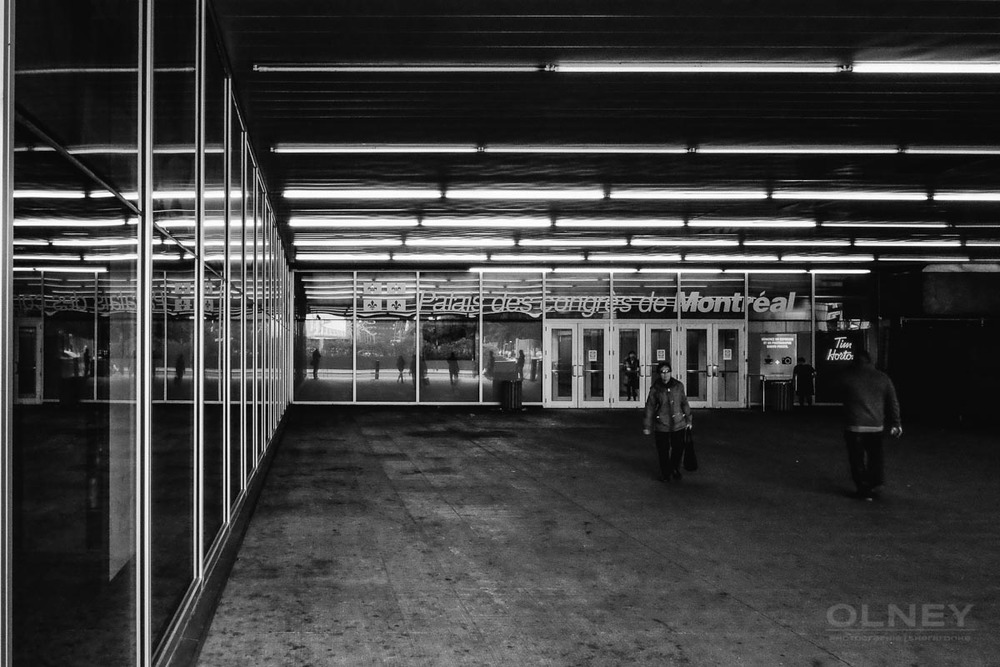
149 325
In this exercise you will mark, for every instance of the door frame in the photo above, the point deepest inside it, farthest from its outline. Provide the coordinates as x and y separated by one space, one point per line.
712 328
647 364
608 375
37 324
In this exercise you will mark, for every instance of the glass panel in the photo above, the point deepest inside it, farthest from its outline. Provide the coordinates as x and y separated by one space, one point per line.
645 296
578 296
386 333
562 365
512 332
593 365
696 373
727 358
235 253
711 296
449 330
844 313
173 436
659 350
72 512
630 365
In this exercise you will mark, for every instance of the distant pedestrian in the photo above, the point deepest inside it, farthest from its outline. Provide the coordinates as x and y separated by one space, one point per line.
520 364
804 378
400 366
315 363
668 417
630 376
88 363
453 368
870 404
179 368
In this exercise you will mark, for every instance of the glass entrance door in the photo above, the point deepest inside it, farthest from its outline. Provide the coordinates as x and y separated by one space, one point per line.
577 365
652 343
714 364
28 362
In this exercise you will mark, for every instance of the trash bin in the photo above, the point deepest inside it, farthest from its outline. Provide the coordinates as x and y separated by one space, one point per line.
777 395
510 394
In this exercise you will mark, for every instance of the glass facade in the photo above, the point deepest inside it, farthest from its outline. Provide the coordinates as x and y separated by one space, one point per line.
147 315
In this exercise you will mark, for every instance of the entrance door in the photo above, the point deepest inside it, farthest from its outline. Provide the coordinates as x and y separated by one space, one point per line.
652 342
28 362
714 364
577 365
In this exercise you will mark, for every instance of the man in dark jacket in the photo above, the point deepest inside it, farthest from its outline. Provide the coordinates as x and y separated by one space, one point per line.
870 404
668 415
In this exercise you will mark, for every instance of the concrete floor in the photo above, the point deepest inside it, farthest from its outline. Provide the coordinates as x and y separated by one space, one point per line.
457 536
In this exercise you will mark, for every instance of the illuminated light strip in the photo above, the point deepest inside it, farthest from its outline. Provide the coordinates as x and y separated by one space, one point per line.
439 257
850 195
374 68
639 241
904 258
688 194
776 224
112 257
584 269
553 243
967 196
925 67
623 67
887 225
487 223
375 193
60 269
620 224
951 150
342 257
843 271
797 150
32 257
49 194
93 242
359 149
536 258
982 244
539 194
590 149
31 242
509 269
764 271
350 223
459 242
799 242
616 257
676 270
731 258
874 243
828 258
344 243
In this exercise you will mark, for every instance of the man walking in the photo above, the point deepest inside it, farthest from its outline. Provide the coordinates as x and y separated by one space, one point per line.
870 404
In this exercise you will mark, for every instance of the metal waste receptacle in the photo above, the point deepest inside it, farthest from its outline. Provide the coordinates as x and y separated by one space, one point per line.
510 394
777 395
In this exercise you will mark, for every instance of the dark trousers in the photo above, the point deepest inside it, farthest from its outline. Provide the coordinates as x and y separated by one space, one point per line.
670 449
864 452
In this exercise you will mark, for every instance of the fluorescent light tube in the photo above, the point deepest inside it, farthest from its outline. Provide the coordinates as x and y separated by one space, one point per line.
674 270
688 194
885 225
967 196
849 195
459 242
527 257
586 194
618 223
567 242
764 271
384 149
61 269
925 258
586 149
925 67
351 223
49 194
345 243
626 67
875 243
828 258
360 193
487 223
616 257
843 271
797 150
509 269
439 257
798 242
652 241
376 68
93 242
731 258
583 269
342 257
733 222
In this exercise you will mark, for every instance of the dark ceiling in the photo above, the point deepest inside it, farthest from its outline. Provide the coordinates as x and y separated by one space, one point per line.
378 97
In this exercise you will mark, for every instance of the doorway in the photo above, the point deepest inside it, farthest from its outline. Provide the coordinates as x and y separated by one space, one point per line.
714 364
577 365
28 361
652 342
